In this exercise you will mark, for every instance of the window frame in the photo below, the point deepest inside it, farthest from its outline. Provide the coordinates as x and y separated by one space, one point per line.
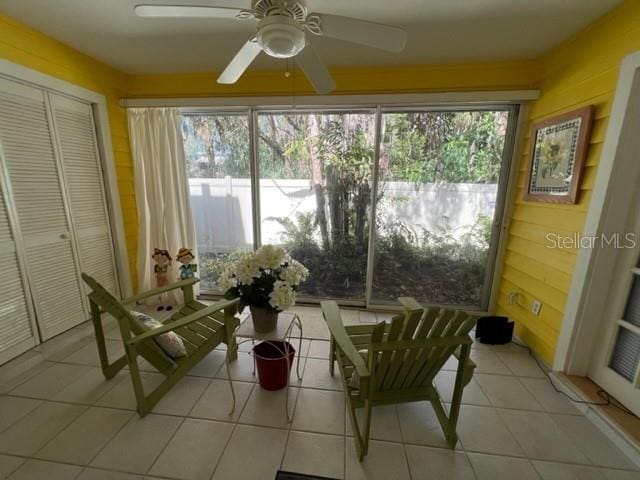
378 108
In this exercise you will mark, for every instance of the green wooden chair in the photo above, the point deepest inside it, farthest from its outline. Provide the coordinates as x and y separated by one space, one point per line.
201 327
397 362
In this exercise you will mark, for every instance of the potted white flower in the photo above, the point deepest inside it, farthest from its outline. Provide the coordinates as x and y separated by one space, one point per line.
266 280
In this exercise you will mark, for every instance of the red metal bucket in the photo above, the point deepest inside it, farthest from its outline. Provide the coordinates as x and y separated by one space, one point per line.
271 360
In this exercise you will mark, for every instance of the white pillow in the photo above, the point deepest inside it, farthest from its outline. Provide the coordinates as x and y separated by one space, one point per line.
355 378
170 342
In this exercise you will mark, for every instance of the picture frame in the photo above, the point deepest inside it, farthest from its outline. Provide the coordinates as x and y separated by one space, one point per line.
558 151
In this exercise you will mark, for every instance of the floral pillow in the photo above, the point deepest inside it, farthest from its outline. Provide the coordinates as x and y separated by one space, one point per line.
170 342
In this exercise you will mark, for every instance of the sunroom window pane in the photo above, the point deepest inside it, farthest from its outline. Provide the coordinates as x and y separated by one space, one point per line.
437 196
315 195
218 166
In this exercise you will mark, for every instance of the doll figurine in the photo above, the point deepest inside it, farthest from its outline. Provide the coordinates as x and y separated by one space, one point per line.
187 269
161 271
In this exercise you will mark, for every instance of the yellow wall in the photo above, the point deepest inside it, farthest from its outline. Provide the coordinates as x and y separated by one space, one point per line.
23 45
418 78
581 71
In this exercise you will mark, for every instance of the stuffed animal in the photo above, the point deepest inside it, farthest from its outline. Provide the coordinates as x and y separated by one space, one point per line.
161 271
187 269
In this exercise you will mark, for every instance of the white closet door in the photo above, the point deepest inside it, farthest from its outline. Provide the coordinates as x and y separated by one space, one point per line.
75 129
34 178
17 327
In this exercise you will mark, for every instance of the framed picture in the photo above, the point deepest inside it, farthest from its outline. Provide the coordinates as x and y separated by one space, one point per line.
558 150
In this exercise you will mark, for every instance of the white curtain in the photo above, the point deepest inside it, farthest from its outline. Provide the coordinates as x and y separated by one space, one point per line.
162 189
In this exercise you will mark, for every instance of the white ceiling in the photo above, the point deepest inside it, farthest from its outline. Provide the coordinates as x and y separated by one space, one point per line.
440 31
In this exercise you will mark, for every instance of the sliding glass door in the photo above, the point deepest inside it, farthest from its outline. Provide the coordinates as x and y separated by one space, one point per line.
217 151
438 189
434 181
315 195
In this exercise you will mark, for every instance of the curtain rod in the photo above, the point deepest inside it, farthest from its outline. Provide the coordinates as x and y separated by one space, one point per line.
396 99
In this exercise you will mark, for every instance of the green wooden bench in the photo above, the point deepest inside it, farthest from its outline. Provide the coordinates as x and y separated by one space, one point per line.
202 328
397 362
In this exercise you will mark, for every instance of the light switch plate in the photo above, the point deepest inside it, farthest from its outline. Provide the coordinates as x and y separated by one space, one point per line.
536 305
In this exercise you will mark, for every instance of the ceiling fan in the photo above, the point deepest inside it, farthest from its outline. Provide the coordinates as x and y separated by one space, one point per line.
281 30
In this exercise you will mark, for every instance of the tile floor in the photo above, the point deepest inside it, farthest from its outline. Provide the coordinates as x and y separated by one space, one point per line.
59 419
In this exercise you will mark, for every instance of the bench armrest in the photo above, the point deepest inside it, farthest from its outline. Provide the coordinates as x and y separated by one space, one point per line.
189 282
410 303
194 317
331 314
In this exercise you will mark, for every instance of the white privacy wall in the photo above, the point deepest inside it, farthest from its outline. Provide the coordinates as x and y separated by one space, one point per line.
222 207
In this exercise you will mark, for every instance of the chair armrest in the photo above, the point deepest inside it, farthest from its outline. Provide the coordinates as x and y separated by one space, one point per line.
331 314
470 363
157 291
469 367
194 317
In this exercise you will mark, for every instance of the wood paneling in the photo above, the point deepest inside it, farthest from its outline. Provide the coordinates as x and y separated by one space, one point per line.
581 71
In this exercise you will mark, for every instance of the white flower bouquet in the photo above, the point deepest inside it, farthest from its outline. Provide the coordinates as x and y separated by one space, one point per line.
267 278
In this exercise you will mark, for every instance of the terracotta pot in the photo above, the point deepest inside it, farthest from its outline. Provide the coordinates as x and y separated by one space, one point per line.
263 321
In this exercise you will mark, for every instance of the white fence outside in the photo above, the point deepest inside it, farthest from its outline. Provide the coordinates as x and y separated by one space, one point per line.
223 216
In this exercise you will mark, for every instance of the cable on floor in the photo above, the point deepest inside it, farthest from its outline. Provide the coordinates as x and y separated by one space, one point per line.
608 399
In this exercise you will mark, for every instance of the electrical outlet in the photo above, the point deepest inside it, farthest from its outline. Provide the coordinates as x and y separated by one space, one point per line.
536 305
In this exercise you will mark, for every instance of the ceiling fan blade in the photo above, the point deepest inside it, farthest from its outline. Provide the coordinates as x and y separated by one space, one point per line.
240 62
315 70
190 11
384 37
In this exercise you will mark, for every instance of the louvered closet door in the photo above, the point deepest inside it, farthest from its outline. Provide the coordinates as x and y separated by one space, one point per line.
36 188
17 332
75 129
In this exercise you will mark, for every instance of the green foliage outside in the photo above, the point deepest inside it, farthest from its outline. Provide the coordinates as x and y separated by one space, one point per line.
212 264
335 152
450 147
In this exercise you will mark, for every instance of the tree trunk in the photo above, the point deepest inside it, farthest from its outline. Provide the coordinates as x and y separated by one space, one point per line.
321 215
316 178
345 214
362 201
335 205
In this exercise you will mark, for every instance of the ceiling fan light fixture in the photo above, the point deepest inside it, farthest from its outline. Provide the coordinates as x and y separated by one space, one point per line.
281 29
280 36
